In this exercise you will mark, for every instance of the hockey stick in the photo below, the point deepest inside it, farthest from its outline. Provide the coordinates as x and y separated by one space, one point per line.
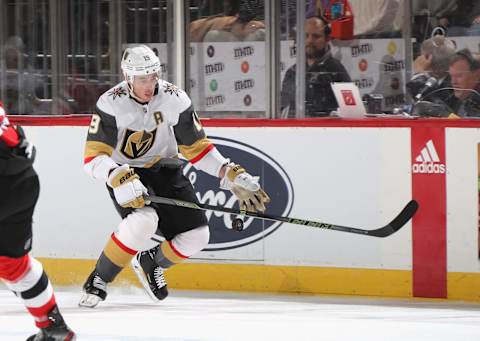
396 224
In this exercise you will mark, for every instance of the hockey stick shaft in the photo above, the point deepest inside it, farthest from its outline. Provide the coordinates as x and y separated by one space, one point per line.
400 220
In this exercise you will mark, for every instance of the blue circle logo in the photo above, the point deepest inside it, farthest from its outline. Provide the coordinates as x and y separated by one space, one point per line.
273 179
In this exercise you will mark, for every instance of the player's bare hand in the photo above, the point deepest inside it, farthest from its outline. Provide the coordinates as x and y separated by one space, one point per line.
423 63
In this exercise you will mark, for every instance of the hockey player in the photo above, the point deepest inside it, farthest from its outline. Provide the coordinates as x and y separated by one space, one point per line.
132 145
22 273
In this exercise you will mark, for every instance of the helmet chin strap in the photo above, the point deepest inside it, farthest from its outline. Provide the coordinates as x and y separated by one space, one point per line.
130 88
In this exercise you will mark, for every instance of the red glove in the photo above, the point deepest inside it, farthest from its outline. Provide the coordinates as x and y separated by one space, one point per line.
7 132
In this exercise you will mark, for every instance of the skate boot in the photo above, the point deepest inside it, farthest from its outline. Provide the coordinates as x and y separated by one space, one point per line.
57 331
95 291
150 274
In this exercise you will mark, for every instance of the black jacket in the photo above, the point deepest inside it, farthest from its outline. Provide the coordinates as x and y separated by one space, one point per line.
466 11
470 106
320 100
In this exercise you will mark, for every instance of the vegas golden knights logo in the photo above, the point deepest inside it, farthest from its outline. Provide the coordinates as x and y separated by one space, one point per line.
137 143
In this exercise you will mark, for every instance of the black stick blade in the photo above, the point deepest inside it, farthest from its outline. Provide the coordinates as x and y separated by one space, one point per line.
400 220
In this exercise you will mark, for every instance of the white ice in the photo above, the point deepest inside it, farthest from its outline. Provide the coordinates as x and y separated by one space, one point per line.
129 315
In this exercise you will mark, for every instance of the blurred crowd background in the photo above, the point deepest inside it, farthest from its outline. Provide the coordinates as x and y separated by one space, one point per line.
234 57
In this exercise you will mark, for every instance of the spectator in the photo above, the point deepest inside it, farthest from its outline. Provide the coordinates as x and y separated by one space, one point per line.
434 61
390 83
21 85
17 82
458 17
243 22
463 20
465 73
321 70
376 18
288 15
427 15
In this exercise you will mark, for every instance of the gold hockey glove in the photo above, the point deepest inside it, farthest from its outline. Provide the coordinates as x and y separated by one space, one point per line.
127 187
245 187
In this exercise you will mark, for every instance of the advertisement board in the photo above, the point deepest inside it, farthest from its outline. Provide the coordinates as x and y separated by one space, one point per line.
337 172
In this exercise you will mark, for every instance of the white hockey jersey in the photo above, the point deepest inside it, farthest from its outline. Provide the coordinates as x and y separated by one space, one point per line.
125 131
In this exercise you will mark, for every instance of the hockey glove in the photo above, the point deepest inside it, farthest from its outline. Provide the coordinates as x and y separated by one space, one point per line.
127 187
28 149
245 187
8 134
25 147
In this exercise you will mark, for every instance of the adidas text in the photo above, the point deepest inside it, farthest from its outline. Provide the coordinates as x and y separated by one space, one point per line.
428 168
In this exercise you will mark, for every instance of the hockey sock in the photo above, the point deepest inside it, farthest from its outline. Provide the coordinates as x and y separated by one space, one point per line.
27 279
168 255
114 258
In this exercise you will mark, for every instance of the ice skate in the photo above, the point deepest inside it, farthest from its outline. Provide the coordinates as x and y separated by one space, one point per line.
57 331
95 291
150 274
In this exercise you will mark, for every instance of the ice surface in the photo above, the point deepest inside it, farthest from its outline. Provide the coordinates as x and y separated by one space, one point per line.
129 315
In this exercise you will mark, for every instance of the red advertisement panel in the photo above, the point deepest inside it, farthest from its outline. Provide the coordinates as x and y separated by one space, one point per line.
429 224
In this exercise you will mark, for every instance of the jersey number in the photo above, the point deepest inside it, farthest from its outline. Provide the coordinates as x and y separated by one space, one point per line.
196 121
94 124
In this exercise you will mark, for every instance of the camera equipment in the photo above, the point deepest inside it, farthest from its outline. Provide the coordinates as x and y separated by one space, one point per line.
373 103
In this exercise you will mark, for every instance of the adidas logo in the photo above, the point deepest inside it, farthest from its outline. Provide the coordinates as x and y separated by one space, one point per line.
428 162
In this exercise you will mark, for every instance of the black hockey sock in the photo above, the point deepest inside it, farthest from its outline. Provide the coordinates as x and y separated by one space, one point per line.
114 258
107 269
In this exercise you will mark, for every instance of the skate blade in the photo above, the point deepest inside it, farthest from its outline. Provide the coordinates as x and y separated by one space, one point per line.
89 301
137 268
